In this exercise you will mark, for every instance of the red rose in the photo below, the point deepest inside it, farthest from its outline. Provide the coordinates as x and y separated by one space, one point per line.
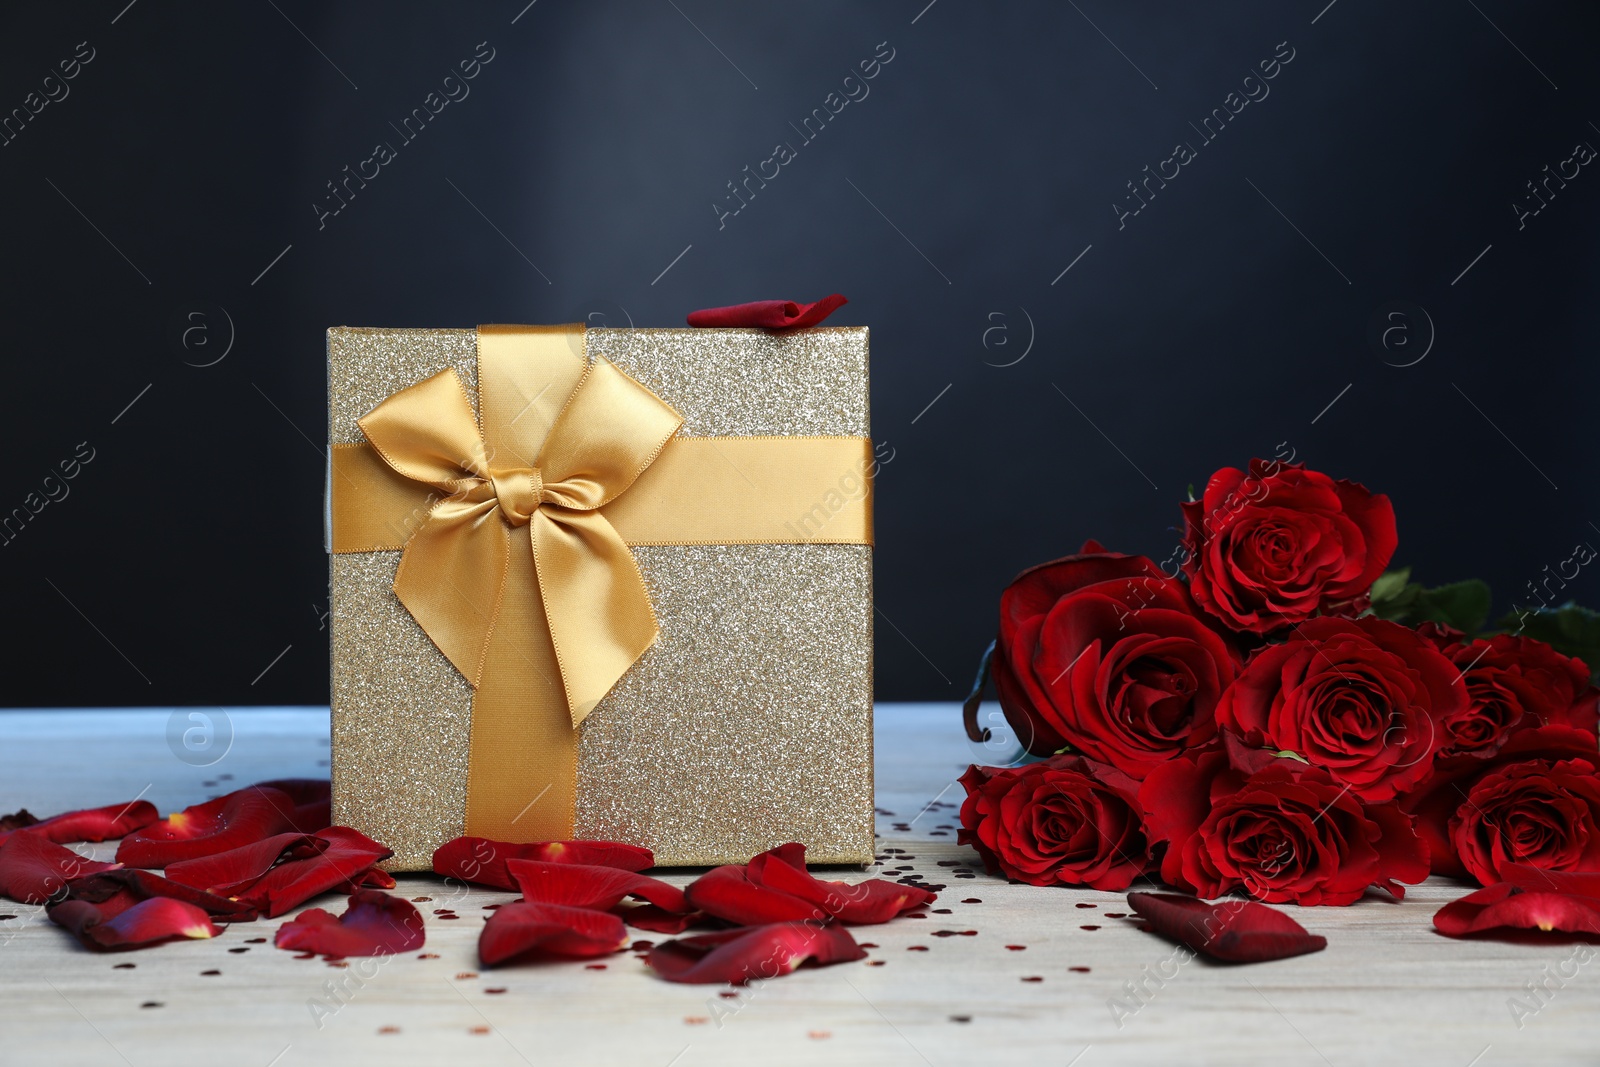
1512 683
1436 803
1287 833
1542 813
1273 547
1065 821
1361 698
1105 653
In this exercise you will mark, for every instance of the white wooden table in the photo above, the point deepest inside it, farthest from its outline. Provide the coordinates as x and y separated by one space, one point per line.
1033 985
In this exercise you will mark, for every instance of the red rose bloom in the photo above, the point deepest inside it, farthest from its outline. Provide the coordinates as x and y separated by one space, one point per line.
1065 821
1275 546
1439 800
1512 683
1287 833
1105 653
1361 698
1542 813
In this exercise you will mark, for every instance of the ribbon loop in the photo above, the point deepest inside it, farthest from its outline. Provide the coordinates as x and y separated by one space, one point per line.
453 571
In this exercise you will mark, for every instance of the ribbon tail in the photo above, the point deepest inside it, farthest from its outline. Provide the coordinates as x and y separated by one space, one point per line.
595 600
452 579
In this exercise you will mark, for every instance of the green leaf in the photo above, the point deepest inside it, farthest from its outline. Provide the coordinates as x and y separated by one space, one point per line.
1191 493
1390 585
1569 629
1464 605
1288 754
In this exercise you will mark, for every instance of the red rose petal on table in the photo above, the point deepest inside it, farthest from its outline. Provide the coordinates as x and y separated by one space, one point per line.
483 861
768 314
532 930
1235 931
34 869
728 893
1504 907
147 923
238 868
875 900
348 857
659 920
239 818
376 878
90 824
583 885
313 801
115 891
373 924
743 955
1573 883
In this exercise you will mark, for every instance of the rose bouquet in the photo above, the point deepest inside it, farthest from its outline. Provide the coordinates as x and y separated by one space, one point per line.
1270 713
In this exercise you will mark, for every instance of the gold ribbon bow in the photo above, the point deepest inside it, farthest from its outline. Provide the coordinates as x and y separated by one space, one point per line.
453 575
515 526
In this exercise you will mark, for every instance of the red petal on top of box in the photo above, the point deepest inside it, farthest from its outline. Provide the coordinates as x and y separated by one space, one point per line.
768 314
239 818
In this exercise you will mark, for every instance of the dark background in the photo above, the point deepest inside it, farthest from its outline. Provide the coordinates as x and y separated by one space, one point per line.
946 204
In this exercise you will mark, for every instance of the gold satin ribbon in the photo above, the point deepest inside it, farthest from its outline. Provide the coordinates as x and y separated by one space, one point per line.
567 463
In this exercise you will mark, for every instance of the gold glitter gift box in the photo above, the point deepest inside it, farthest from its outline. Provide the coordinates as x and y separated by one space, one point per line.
748 722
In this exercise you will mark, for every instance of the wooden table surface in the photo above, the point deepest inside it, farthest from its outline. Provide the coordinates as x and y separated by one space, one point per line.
1036 984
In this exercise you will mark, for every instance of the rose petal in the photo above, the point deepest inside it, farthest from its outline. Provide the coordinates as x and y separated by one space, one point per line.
313 801
373 924
661 921
1504 907
227 872
522 929
348 856
875 900
239 818
34 869
583 885
376 878
1235 931
90 824
728 893
481 860
146 923
1573 883
115 891
743 955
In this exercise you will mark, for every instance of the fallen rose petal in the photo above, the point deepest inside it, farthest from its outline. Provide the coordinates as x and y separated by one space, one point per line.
1504 907
583 885
17 820
875 900
312 799
349 855
728 893
115 891
1235 931
90 824
146 923
659 920
376 878
522 929
238 868
373 924
34 869
742 955
483 861
1574 883
768 314
240 818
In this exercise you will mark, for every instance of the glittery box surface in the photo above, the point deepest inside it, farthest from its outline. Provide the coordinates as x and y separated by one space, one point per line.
747 724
